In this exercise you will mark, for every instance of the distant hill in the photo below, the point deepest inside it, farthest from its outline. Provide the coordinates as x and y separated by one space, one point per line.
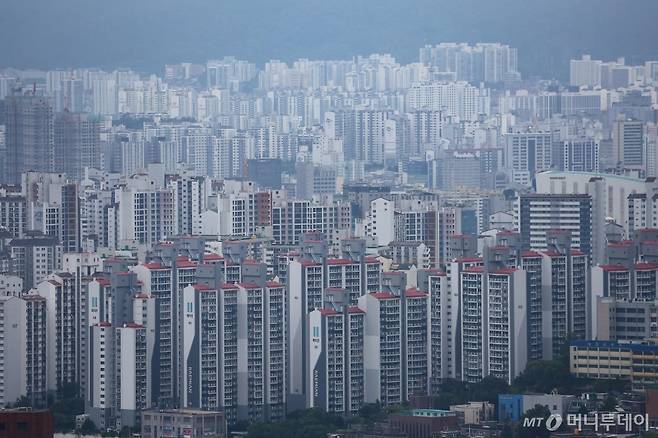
146 34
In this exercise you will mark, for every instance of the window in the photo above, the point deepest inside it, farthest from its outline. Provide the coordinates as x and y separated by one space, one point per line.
189 308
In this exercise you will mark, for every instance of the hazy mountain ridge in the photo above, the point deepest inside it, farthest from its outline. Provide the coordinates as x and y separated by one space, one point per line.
146 34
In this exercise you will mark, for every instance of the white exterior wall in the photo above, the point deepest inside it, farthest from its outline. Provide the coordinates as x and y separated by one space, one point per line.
127 366
296 321
372 356
616 190
381 226
13 344
49 291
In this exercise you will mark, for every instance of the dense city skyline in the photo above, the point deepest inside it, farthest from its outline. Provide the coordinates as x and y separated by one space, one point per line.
156 32
249 229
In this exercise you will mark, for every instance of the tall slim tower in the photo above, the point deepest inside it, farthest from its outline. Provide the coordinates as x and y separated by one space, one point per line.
77 143
29 136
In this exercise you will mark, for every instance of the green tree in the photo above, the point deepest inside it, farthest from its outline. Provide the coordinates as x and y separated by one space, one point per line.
312 423
609 404
371 413
451 392
539 431
66 406
454 392
507 432
488 389
22 402
88 428
544 376
608 385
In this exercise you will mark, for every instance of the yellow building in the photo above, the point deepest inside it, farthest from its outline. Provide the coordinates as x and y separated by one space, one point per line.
614 360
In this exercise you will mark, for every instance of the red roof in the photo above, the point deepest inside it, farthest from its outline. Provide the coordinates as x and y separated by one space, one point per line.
142 295
499 247
354 309
104 324
133 325
329 312
577 252
273 284
249 285
153 266
339 262
212 256
505 271
613 268
102 281
414 293
185 264
371 259
474 269
623 243
434 271
469 259
530 254
200 286
646 266
228 286
383 295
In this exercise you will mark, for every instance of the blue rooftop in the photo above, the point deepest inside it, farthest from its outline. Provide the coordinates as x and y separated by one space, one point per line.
615 345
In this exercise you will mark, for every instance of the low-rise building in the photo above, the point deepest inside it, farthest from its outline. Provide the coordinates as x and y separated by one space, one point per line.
424 423
635 362
183 422
512 407
26 423
474 412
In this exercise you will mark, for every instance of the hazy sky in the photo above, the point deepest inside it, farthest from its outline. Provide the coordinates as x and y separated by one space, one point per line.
146 34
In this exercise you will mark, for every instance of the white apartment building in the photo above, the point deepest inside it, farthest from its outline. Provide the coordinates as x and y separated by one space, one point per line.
456 99
527 153
383 348
415 343
23 339
336 360
493 323
146 216
66 321
440 326
119 368
190 200
234 350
